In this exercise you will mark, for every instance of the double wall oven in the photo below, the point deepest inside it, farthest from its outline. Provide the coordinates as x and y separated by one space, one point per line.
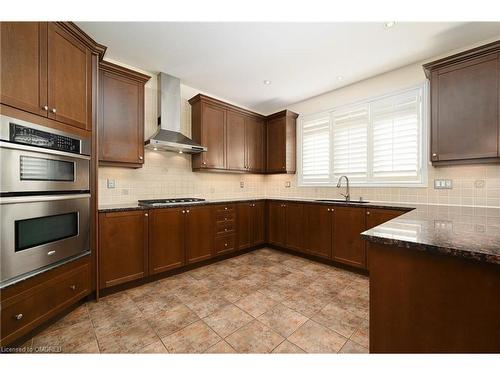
44 198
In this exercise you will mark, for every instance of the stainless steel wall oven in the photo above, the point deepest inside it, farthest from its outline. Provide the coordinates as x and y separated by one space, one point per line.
44 197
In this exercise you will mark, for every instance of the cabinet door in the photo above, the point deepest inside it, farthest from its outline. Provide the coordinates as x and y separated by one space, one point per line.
69 79
348 247
465 105
276 223
199 233
166 239
294 226
235 142
245 227
276 145
318 229
23 66
255 136
259 223
212 136
123 247
121 119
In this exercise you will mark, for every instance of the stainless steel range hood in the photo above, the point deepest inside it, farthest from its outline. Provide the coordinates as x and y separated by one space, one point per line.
169 136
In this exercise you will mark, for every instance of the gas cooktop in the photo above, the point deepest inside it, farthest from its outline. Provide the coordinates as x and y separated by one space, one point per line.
167 202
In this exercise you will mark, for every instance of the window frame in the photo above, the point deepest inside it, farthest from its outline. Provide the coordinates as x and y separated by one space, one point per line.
369 182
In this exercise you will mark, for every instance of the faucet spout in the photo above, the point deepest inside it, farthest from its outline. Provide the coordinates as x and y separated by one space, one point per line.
347 195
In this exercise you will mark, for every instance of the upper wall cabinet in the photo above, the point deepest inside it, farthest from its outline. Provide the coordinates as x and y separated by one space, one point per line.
233 136
465 106
46 69
121 115
281 142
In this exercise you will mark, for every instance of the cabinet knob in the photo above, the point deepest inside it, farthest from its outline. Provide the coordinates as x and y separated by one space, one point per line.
54 110
18 316
146 214
187 211
45 107
204 163
328 209
225 219
141 157
225 229
72 287
434 155
225 244
368 212
183 211
225 208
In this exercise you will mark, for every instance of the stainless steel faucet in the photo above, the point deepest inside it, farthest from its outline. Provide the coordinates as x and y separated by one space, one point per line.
347 196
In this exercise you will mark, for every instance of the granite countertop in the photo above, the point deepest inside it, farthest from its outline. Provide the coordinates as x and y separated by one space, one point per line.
463 231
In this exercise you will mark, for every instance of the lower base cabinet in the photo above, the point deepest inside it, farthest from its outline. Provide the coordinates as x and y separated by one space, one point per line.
251 224
166 239
318 223
28 304
123 247
348 246
276 225
198 233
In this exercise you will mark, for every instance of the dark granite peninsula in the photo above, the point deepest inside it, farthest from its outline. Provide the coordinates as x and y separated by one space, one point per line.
435 281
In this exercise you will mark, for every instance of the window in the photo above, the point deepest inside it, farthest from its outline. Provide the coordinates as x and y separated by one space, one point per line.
378 142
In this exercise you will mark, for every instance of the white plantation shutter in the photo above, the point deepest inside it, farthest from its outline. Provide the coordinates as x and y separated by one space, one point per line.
378 142
350 147
316 149
395 123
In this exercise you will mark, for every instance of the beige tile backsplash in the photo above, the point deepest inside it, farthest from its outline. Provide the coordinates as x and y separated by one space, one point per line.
167 174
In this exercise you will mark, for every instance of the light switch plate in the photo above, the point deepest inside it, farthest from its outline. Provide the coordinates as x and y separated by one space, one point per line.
288 184
242 184
110 183
479 184
443 184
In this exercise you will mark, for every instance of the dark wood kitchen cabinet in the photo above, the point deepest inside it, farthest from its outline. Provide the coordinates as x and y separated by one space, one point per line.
199 238
348 247
235 142
123 247
121 116
276 224
294 222
47 69
465 106
235 137
226 222
166 239
377 216
251 224
318 226
281 142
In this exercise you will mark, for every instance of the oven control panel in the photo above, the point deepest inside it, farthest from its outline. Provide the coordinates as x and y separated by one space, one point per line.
39 138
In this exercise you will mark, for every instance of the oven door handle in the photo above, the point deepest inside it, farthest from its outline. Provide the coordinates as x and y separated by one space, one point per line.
42 198
17 146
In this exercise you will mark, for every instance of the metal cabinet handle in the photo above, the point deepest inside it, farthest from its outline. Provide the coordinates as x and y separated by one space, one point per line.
72 287
45 107
53 110
18 316
51 252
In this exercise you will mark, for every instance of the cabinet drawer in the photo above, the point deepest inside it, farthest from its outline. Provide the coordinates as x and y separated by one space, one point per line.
225 244
225 215
24 311
225 227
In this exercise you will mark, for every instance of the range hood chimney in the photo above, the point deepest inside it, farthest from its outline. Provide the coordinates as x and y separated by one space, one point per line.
169 136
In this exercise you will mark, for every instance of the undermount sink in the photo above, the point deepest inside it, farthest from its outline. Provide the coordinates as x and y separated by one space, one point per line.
341 201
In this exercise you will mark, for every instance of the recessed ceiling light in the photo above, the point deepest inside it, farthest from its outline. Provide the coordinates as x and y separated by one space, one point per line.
340 78
267 82
389 24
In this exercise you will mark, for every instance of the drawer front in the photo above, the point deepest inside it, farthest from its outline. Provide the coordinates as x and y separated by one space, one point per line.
225 212
225 244
24 311
225 227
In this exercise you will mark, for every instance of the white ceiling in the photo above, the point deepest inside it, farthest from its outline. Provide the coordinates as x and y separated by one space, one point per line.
231 60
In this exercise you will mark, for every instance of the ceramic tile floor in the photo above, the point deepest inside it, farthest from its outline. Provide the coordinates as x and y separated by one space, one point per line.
265 301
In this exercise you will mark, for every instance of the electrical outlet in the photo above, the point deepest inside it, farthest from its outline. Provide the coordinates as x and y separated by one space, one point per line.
110 183
242 184
479 184
288 184
443 184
